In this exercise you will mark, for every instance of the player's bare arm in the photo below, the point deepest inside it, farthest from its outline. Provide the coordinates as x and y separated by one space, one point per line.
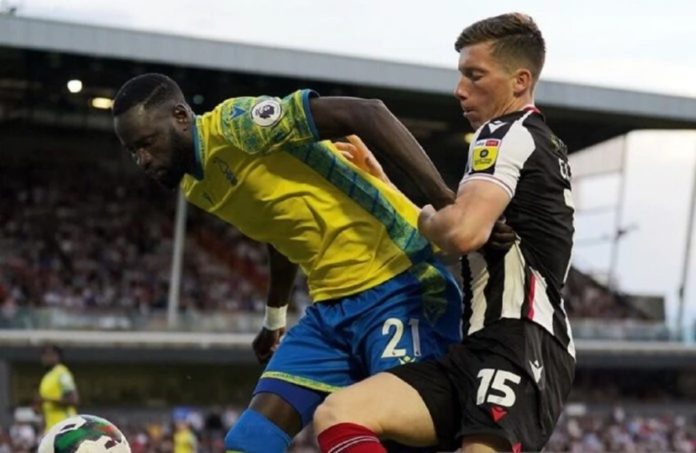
282 279
466 225
370 119
502 236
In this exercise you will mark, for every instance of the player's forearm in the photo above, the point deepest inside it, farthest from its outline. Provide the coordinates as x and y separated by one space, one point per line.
282 278
397 144
451 230
387 136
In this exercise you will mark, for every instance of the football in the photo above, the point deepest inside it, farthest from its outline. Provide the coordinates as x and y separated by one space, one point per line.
84 434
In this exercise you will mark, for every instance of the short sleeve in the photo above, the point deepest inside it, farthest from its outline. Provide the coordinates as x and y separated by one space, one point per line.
67 383
499 157
262 125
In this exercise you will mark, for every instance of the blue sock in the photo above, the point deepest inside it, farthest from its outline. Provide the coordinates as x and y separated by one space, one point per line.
254 433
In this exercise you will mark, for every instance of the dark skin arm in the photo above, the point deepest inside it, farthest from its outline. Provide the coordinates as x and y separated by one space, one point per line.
282 280
337 117
371 120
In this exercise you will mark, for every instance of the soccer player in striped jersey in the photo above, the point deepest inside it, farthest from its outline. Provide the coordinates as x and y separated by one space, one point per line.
261 164
504 387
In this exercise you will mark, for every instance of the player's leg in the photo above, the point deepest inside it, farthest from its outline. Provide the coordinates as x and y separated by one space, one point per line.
301 372
484 444
384 405
414 317
259 429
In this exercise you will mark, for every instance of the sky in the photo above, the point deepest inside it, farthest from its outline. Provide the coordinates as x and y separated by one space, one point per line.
640 45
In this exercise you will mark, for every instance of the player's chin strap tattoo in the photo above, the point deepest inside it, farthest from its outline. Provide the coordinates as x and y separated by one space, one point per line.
275 317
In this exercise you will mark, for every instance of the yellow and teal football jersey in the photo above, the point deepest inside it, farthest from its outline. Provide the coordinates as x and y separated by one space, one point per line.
55 384
262 168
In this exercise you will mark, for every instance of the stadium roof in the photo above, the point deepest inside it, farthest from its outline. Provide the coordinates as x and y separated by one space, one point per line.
83 39
38 57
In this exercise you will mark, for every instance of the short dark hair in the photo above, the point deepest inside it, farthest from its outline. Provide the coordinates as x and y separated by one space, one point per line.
515 38
150 90
54 348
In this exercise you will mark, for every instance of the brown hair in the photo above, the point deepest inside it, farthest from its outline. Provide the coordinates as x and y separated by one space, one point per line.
515 39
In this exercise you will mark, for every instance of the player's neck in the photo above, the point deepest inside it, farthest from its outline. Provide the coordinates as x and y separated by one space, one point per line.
516 104
521 103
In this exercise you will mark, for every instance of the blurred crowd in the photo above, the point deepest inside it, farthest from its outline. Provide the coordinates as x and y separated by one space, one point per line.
205 432
586 298
79 237
620 432
78 241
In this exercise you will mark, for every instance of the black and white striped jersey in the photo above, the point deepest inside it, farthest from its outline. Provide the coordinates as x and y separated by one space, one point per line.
522 155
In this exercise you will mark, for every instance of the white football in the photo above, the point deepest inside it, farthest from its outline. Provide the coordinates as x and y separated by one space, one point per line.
84 434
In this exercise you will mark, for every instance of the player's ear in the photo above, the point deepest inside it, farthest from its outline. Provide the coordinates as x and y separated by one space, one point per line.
181 113
522 81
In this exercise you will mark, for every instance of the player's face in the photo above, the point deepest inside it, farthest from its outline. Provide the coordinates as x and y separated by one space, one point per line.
48 358
485 88
157 143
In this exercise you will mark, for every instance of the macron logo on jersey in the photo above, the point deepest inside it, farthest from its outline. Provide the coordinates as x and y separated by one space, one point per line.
537 369
495 125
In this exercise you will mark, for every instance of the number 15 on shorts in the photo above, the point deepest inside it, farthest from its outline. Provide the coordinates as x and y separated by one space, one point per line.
494 387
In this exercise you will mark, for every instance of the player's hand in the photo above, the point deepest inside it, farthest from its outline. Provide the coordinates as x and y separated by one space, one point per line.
357 152
424 216
502 237
266 342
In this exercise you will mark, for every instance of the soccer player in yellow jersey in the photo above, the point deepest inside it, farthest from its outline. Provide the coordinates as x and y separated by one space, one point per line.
184 439
57 395
264 165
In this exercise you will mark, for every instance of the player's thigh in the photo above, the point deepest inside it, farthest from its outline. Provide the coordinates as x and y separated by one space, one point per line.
484 444
310 358
384 404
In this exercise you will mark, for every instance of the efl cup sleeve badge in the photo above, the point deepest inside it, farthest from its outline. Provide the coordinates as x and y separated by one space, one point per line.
267 112
485 153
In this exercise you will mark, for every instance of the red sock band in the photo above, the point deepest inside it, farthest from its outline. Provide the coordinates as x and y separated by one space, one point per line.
349 438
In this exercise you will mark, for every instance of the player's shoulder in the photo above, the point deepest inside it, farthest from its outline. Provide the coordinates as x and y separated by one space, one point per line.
510 124
61 369
525 130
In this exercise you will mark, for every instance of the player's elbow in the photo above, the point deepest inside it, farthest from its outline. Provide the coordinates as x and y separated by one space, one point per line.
369 111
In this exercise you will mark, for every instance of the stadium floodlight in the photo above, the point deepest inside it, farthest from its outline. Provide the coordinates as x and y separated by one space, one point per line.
101 103
74 85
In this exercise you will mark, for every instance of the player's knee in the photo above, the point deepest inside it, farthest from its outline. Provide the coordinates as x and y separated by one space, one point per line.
335 409
254 433
326 415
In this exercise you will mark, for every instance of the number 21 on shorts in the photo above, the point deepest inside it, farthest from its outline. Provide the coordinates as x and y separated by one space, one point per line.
494 387
396 326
